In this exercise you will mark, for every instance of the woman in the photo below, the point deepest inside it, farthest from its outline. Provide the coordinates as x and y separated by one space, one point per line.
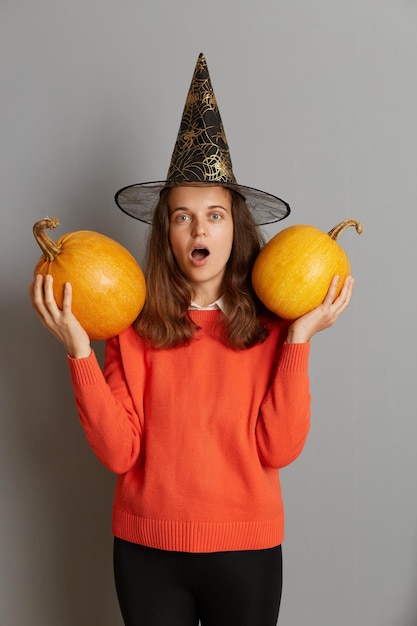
196 429
199 405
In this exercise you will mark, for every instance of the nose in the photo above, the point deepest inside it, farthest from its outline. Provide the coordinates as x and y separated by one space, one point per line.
199 228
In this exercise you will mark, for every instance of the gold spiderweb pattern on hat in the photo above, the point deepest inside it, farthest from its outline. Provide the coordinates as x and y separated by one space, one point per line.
201 151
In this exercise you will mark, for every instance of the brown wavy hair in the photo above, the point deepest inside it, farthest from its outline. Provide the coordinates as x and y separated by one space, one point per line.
165 321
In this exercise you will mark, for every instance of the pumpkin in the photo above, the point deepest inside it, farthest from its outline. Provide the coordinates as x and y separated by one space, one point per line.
292 273
108 284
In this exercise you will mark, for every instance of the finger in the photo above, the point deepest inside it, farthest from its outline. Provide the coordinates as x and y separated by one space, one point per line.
49 296
38 303
33 298
36 293
331 292
67 299
346 290
343 300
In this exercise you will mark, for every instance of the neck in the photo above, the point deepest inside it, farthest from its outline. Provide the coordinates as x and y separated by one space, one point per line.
204 298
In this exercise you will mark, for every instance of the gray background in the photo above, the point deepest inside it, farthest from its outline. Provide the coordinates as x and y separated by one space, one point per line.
319 104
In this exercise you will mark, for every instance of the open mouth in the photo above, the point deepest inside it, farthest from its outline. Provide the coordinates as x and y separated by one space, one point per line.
200 253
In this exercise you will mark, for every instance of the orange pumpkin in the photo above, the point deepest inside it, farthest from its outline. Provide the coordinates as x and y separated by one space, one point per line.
293 271
108 284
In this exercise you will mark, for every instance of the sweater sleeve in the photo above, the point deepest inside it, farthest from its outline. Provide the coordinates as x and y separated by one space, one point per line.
284 418
111 422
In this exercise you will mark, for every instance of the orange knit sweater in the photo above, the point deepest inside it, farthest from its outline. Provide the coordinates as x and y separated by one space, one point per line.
196 435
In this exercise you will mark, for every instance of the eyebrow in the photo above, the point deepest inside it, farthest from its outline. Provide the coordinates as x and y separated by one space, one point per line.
209 208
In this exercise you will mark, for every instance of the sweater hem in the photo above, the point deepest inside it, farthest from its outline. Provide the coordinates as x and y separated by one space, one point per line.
197 536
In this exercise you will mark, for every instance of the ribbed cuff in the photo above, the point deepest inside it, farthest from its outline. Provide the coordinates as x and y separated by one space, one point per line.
294 357
85 372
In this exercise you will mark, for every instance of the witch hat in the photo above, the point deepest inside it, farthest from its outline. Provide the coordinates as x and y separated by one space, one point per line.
201 155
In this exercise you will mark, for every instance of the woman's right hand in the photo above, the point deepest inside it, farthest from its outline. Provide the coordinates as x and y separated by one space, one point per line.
63 324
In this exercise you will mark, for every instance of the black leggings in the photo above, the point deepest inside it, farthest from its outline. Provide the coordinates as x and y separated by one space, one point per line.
161 588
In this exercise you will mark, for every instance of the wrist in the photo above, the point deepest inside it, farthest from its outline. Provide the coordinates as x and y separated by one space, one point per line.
80 352
295 336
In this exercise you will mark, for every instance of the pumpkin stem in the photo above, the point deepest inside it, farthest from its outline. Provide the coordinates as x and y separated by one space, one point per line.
335 232
49 248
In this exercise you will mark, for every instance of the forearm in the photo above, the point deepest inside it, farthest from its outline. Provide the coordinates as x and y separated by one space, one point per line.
111 425
284 420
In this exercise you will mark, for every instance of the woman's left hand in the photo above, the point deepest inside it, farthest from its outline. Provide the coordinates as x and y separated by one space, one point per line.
324 316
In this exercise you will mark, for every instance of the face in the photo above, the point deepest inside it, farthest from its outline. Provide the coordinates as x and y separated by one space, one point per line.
201 236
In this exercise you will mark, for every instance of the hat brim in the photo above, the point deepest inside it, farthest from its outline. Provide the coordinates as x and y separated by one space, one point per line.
139 201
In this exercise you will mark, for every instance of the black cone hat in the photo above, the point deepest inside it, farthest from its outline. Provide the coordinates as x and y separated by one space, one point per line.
201 155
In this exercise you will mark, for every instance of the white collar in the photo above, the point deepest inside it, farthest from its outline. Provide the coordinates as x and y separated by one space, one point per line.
218 304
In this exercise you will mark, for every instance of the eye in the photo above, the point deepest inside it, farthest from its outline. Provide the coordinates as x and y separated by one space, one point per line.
181 218
216 217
